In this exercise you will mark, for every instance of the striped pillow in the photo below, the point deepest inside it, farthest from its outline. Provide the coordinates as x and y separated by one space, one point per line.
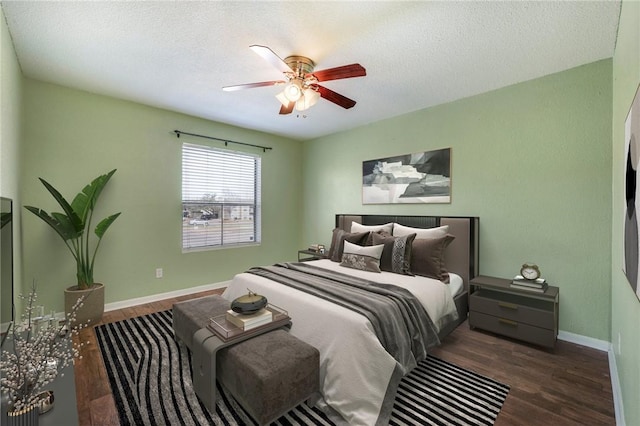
396 256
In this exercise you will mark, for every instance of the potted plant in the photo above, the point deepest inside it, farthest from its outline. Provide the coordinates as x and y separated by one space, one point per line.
74 225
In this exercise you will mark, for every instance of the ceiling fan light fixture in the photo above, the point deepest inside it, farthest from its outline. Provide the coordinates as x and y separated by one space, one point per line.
293 90
301 104
283 99
308 99
301 89
312 95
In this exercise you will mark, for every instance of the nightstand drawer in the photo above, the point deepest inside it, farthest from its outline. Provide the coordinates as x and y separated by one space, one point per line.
514 329
538 313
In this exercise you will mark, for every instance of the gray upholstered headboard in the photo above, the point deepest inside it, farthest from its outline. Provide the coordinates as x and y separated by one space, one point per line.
462 254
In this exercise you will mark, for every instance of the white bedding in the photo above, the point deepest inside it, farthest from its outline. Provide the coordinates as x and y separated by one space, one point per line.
456 285
354 367
436 297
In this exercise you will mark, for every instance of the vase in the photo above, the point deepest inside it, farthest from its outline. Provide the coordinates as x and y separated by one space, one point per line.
25 417
92 305
47 400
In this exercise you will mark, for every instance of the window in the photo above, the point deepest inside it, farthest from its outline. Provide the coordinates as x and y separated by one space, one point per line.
220 198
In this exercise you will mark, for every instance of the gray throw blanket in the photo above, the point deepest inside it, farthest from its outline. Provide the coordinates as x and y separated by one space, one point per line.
400 322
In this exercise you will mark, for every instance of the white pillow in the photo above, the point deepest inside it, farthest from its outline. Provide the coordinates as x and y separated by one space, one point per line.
371 251
421 233
356 227
362 258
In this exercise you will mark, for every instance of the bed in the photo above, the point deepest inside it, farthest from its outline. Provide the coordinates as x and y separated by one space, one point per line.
360 365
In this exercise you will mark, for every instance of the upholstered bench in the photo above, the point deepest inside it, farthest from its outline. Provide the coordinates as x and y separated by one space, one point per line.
192 315
268 374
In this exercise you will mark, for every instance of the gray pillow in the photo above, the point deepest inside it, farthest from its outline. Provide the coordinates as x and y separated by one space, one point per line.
396 256
427 257
338 239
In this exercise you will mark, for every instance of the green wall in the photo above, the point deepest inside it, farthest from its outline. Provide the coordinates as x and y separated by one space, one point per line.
625 307
10 116
532 160
70 137
554 211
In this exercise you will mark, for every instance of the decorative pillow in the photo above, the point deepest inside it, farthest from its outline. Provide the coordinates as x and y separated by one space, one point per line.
356 227
338 239
427 257
396 256
363 258
400 230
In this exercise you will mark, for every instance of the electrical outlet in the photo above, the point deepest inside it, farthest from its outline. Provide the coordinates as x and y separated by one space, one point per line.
158 272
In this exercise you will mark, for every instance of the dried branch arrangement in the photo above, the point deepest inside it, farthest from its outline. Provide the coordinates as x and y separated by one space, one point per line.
42 347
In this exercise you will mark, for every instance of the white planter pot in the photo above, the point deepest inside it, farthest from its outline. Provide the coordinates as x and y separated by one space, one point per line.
92 308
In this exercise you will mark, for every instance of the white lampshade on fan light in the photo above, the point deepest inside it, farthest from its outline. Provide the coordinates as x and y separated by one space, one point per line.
308 99
293 92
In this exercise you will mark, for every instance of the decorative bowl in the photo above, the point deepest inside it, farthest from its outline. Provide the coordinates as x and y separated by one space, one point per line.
249 303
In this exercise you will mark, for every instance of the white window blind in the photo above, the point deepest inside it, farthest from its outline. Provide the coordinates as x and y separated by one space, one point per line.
220 197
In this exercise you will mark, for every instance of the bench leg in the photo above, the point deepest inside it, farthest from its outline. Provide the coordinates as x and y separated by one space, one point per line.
205 346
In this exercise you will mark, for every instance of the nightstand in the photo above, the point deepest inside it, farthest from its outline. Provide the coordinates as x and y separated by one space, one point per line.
521 314
306 255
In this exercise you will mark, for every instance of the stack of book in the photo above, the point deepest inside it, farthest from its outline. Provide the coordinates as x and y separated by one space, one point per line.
539 286
247 322
230 325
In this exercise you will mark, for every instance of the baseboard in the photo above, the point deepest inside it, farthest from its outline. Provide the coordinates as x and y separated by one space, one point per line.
604 346
589 342
161 296
615 388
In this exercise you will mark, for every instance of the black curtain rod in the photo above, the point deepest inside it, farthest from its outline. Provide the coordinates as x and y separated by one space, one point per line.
226 142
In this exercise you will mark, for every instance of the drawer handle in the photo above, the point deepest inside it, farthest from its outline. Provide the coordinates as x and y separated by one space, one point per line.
508 322
508 305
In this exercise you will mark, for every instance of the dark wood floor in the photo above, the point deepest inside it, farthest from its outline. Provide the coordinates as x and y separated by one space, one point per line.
567 386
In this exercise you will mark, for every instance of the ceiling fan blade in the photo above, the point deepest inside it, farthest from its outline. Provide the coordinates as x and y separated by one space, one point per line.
252 85
336 98
287 109
269 56
345 71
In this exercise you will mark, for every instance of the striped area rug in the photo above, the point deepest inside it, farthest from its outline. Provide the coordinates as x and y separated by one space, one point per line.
150 378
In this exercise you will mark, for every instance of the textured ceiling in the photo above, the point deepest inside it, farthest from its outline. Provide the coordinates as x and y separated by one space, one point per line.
178 55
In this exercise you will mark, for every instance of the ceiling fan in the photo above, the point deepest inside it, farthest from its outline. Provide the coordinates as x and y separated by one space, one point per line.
301 82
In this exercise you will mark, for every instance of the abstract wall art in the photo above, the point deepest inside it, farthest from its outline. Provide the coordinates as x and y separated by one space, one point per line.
631 250
423 177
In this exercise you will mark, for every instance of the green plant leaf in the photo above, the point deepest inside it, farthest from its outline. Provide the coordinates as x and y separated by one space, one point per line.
66 226
53 223
104 224
5 218
86 200
78 223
